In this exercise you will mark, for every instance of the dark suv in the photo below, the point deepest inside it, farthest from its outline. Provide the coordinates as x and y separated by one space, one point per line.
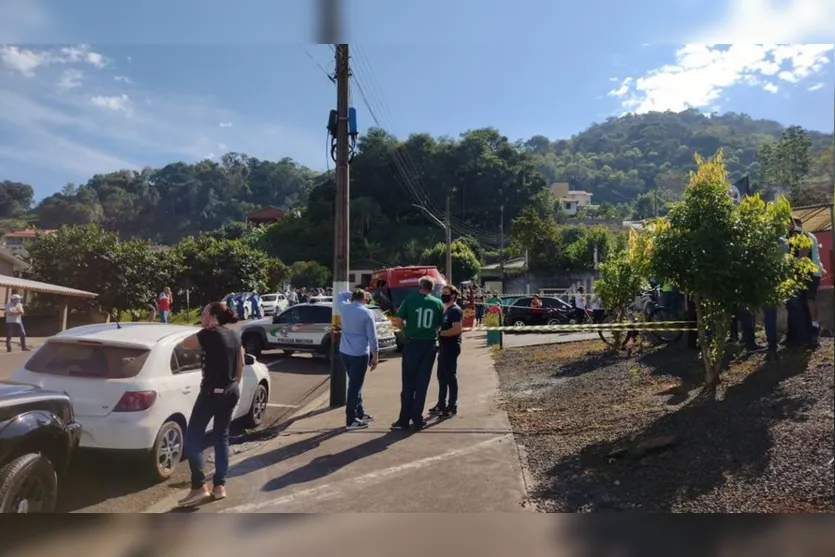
38 434
553 312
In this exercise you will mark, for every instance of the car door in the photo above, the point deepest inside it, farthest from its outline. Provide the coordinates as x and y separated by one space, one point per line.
280 334
187 372
520 312
318 324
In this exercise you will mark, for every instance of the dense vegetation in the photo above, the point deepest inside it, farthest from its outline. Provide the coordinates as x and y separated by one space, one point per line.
633 165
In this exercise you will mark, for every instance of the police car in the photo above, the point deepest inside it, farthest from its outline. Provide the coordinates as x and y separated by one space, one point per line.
306 328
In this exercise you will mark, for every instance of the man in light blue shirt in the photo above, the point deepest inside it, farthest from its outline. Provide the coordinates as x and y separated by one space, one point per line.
358 348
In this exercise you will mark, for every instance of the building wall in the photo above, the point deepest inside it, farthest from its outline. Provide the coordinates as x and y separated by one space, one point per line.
825 240
516 284
6 268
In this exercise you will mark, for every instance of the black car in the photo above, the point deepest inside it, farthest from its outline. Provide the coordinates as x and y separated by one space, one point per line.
554 312
38 434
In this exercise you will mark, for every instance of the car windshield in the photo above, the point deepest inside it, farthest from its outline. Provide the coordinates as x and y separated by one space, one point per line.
268 298
378 314
98 361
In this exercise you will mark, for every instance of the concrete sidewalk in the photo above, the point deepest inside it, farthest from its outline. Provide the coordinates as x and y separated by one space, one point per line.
469 463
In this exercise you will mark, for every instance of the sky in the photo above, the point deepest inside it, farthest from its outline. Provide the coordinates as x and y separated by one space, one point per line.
95 86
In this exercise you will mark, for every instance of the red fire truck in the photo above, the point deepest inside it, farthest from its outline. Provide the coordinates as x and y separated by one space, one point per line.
389 287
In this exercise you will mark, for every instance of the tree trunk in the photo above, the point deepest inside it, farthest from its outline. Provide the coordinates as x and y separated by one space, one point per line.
711 369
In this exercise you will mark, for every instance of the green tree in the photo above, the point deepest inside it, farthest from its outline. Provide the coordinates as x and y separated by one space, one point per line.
723 256
277 274
787 162
212 268
125 275
465 264
309 274
580 253
541 237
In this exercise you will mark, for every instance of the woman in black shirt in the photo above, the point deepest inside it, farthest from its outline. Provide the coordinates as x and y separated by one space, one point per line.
223 364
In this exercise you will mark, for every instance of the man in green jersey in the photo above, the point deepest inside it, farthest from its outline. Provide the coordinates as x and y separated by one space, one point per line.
419 317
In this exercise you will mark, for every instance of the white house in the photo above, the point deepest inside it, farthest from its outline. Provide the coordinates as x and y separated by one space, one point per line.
571 200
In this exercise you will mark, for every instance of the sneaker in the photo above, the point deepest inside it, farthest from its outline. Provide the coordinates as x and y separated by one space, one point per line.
417 426
399 425
358 424
437 409
449 412
367 418
194 497
219 492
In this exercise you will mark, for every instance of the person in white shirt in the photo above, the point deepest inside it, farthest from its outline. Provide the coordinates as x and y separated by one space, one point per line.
14 323
580 304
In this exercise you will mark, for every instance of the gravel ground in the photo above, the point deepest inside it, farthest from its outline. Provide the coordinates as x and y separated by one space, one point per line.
629 432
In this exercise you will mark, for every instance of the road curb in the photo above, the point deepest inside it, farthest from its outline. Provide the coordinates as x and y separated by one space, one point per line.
168 503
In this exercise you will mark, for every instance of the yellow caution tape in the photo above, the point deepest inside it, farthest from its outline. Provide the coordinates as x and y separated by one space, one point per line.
648 326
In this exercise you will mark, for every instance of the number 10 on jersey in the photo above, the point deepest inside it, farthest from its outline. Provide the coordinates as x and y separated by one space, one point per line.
424 318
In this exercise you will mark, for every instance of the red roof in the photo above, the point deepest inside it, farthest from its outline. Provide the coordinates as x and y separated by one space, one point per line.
266 213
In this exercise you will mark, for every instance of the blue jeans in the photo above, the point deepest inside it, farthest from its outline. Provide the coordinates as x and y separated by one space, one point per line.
800 322
163 316
355 367
416 374
207 406
15 329
448 374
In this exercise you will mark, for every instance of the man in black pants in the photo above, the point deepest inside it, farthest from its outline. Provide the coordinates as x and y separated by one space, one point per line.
419 317
449 348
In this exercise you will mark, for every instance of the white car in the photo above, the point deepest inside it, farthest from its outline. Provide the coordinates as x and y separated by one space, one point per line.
272 304
133 387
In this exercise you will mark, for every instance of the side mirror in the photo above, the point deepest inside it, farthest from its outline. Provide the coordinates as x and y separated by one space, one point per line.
249 359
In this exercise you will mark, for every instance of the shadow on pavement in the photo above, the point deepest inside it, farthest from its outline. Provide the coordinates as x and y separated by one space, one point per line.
326 465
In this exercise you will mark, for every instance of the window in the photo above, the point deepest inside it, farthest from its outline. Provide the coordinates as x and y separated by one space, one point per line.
319 314
184 360
290 317
551 303
93 360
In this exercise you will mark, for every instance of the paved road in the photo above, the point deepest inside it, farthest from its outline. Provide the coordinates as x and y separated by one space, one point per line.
106 483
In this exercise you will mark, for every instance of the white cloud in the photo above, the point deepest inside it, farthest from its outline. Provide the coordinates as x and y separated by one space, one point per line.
790 21
622 90
702 73
225 125
26 61
22 60
816 86
123 79
70 79
120 103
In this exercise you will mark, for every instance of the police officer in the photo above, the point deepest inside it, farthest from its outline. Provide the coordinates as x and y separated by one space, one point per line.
419 317
449 348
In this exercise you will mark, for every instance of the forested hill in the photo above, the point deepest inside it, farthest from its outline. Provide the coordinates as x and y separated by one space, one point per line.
616 160
623 157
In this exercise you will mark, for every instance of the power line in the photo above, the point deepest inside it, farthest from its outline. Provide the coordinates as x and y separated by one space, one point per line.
329 75
404 162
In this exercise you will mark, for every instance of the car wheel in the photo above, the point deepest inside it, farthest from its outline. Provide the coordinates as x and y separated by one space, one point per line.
553 321
167 451
28 484
253 345
258 410
518 323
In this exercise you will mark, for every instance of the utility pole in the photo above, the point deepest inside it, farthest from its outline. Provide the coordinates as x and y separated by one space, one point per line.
448 241
527 273
501 243
341 243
